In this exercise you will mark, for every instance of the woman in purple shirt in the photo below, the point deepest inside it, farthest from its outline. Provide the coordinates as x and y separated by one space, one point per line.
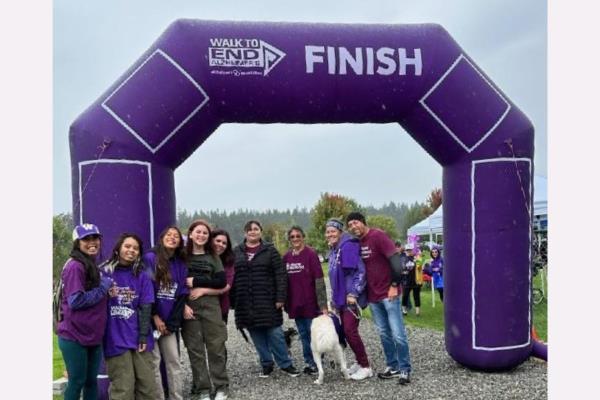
83 308
347 277
306 294
166 265
128 341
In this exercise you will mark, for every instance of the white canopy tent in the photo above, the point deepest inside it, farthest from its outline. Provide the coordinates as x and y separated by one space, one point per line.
433 225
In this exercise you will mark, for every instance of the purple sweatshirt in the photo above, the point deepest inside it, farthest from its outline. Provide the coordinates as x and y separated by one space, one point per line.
84 318
347 271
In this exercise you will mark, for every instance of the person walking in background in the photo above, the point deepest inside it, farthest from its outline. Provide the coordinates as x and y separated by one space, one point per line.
166 265
400 250
204 332
411 271
435 269
258 294
399 246
83 311
348 280
306 293
128 341
383 265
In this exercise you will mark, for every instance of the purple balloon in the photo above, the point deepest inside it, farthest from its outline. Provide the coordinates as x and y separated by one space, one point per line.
200 74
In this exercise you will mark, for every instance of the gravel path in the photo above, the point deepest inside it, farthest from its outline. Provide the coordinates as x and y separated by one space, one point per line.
435 375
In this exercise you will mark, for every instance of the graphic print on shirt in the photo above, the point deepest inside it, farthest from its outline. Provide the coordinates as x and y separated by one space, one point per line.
365 252
167 292
294 268
125 297
408 266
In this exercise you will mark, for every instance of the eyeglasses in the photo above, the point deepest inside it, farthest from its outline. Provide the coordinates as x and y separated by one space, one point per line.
295 236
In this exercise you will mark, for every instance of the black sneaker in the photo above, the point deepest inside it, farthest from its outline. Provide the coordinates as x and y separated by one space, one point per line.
310 370
291 371
195 390
403 377
388 374
266 372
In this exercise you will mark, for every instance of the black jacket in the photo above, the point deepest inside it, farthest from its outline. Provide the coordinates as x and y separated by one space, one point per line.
257 286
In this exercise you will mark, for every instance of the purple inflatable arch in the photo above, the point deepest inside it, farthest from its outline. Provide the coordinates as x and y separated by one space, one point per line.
200 74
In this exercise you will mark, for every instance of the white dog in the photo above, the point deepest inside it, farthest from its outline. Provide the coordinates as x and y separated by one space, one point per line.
324 340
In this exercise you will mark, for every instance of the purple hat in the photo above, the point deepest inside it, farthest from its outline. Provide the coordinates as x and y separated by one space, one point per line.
84 230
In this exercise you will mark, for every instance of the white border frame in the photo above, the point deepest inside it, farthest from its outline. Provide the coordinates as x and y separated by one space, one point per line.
120 161
473 325
174 131
439 120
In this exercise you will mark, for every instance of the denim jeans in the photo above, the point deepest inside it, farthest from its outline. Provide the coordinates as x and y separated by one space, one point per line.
303 325
270 342
390 325
83 363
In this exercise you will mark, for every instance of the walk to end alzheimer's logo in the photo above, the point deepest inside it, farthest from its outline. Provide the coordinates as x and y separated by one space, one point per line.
242 57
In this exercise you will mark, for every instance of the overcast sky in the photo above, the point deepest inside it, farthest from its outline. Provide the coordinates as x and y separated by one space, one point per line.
95 43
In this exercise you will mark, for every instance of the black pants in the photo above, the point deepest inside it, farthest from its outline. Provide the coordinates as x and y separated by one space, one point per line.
441 292
416 295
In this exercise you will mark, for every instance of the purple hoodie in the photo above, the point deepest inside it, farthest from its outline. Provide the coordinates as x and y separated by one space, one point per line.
347 271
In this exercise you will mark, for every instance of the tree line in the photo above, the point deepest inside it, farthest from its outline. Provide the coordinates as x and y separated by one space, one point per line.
393 218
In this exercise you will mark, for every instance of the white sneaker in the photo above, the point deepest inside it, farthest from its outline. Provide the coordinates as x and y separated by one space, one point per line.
362 373
353 368
221 395
204 395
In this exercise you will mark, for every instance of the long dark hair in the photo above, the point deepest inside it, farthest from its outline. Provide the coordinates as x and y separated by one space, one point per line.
113 261
227 256
92 274
189 246
163 272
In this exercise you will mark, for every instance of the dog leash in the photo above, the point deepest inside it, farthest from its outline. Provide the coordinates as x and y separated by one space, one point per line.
354 310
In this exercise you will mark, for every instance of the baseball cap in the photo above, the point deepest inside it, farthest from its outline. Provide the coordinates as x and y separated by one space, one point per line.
84 230
409 246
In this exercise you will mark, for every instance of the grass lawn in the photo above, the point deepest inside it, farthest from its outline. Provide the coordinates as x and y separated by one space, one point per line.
433 317
58 364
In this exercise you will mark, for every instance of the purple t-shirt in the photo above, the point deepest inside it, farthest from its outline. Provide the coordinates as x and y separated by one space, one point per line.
375 249
122 327
165 296
302 271
85 326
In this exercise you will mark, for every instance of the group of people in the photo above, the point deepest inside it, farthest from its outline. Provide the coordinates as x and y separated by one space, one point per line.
132 308
413 272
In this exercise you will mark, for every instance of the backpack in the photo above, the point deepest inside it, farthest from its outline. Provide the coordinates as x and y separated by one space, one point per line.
57 296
